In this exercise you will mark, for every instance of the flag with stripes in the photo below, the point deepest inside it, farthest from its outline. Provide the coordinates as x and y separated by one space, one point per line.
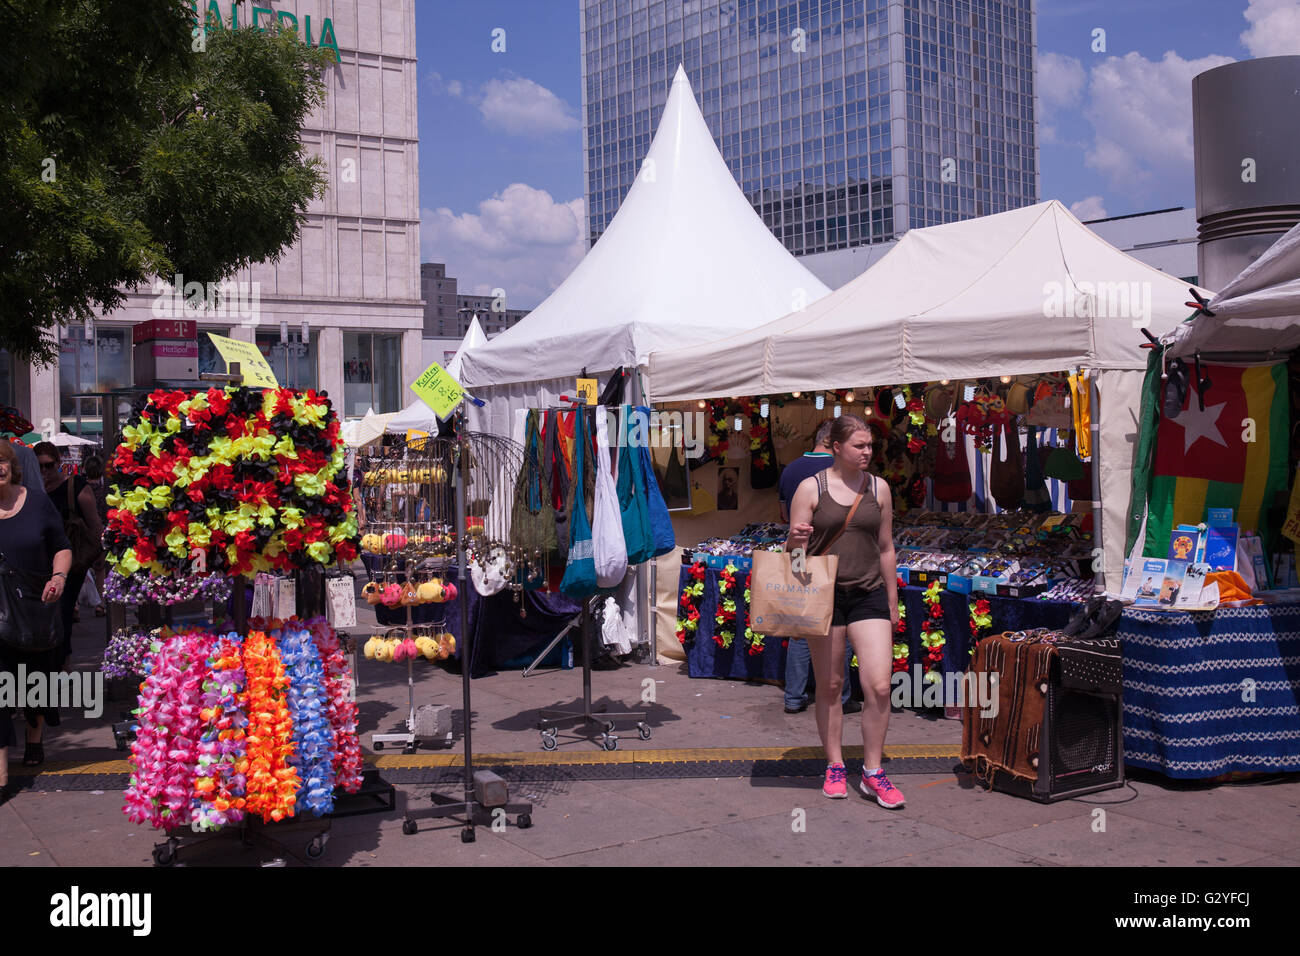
1231 455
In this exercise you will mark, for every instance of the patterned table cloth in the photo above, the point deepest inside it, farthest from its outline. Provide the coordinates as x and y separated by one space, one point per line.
1212 692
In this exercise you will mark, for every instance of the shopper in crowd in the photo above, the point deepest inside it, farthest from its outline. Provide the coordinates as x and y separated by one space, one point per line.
62 490
798 658
866 598
92 469
37 550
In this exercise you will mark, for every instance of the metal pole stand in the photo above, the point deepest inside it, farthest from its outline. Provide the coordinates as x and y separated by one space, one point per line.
408 739
550 718
252 832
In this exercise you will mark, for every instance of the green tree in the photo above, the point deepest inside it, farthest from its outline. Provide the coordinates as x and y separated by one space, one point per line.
133 145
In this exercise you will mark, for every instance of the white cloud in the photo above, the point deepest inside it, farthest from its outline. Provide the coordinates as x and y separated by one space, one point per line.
1090 207
1141 113
515 105
1060 83
521 107
521 240
1274 27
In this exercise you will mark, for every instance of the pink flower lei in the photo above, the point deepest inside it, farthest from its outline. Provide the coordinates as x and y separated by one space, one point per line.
341 710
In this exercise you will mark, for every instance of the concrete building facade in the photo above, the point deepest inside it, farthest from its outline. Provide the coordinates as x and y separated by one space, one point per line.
352 280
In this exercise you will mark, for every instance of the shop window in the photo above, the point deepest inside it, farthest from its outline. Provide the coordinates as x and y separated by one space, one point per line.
372 373
91 366
293 363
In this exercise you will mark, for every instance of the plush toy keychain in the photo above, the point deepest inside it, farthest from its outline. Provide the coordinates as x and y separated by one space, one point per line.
371 591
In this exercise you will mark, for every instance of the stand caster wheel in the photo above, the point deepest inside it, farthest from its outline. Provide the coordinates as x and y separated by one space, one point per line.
378 745
409 827
548 739
609 726
164 856
409 749
609 741
525 821
467 835
316 849
644 731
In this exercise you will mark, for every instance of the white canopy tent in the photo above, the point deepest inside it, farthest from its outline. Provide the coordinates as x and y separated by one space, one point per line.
685 261
1257 312
1023 292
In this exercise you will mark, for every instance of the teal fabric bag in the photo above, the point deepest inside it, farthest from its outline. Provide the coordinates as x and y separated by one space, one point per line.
632 503
579 580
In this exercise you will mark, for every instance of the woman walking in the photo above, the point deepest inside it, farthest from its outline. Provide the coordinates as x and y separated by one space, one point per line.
848 512
71 497
37 550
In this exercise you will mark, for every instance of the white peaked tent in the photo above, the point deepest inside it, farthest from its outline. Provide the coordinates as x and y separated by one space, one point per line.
418 416
1022 292
685 261
1258 311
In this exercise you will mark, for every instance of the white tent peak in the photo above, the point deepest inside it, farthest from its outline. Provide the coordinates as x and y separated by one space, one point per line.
474 338
686 260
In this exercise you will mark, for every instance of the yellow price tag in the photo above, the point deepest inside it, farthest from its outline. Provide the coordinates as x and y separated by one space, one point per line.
252 363
439 390
587 388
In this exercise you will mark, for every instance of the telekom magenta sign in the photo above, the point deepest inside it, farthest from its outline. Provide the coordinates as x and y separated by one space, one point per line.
259 18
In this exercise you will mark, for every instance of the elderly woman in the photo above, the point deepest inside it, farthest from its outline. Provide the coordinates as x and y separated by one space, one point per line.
35 549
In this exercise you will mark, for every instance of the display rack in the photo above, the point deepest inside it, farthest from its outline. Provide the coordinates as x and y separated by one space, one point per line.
490 467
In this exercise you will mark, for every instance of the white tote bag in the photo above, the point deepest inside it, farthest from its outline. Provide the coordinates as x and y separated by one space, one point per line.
608 543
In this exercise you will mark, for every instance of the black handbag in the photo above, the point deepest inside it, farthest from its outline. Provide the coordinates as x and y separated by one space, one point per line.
26 622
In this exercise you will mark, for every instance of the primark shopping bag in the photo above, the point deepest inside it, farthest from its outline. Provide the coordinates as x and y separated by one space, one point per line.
792 603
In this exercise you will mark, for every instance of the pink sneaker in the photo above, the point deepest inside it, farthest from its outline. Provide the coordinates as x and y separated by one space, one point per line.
886 794
836 784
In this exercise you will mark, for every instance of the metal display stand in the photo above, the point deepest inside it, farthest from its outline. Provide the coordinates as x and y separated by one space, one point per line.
549 719
489 465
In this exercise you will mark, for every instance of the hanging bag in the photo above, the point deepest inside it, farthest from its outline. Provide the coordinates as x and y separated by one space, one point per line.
1037 497
533 515
662 537
27 623
952 472
607 522
557 470
797 603
631 495
1007 477
579 580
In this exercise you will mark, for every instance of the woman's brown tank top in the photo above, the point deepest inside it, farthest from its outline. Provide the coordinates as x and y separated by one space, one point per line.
858 548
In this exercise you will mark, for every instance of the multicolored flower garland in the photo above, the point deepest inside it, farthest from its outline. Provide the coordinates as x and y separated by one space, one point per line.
272 781
752 638
932 635
221 779
313 740
688 619
725 616
243 479
130 653
981 621
341 710
145 588
901 650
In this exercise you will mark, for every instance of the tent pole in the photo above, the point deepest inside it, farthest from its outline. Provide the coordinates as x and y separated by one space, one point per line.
1094 429
645 627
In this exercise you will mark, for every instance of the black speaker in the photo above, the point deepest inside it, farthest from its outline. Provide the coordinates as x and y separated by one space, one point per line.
1082 750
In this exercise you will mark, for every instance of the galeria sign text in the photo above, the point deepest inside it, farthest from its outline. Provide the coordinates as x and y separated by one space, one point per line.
259 17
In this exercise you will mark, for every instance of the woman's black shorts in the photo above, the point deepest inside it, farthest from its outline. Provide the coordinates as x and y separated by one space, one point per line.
859 605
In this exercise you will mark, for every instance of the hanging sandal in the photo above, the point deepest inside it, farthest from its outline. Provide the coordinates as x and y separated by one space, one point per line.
34 754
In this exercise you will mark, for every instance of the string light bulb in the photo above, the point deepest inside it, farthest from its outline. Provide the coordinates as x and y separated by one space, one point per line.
703 404
795 394
821 402
848 397
1006 379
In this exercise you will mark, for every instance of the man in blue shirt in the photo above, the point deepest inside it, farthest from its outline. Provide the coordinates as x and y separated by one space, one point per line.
798 659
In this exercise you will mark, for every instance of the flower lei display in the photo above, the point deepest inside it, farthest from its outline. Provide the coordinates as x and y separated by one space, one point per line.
980 416
718 441
752 638
901 651
725 617
165 751
130 653
688 608
932 635
313 741
157 589
981 621
341 710
272 782
249 479
221 779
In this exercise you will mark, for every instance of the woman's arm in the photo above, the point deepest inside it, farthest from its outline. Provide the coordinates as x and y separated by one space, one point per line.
59 579
885 542
801 514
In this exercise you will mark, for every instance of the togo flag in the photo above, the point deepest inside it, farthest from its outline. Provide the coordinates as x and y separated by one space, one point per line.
1232 455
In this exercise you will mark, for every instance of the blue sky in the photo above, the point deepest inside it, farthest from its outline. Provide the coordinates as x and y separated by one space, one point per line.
501 191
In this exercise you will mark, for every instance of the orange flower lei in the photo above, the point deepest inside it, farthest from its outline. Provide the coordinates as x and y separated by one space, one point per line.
272 783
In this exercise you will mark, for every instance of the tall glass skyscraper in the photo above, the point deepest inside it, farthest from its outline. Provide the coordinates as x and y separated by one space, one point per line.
844 121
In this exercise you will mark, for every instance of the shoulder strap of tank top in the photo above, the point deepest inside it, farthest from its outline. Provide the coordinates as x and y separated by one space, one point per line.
821 484
852 511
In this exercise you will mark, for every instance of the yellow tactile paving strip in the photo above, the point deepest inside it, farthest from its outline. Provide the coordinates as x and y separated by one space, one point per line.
551 759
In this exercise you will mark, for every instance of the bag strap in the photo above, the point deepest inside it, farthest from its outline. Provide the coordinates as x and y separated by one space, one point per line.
852 511
72 510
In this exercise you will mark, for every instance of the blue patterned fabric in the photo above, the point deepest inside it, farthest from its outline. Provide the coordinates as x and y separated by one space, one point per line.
704 658
1185 677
